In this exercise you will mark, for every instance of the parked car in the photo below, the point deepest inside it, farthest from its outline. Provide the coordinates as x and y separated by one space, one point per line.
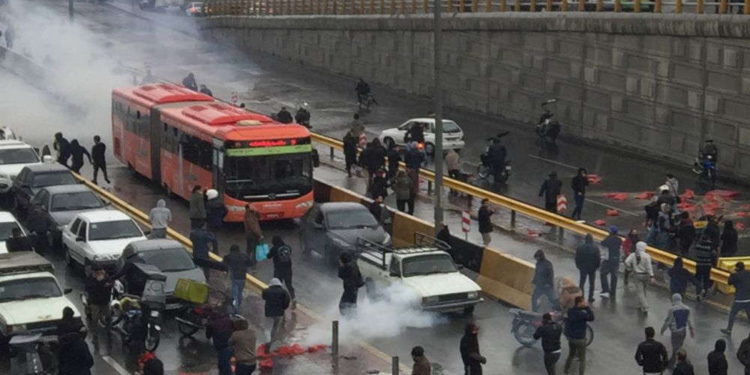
56 206
334 227
35 177
453 136
8 222
99 237
194 9
14 156
171 258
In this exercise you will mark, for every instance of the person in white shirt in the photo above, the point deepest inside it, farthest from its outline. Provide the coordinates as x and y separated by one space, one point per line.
639 264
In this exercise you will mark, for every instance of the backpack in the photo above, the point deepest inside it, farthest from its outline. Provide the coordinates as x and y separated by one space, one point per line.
284 254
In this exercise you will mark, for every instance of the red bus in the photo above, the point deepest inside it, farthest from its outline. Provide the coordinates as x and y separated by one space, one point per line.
179 138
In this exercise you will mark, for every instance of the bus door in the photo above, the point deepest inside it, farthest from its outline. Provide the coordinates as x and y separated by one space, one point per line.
218 165
155 130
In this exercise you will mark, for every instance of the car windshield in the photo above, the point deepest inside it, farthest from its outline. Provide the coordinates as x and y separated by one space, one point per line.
350 219
428 264
6 230
53 179
168 260
83 200
41 287
18 156
112 230
450 127
258 178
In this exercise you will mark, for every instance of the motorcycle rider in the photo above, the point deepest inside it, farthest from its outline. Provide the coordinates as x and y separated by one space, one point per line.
302 116
363 90
415 133
709 149
708 158
497 154
284 116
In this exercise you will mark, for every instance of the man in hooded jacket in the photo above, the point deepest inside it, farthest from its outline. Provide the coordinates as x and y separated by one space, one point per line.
544 281
470 354
639 263
588 260
277 301
679 322
160 216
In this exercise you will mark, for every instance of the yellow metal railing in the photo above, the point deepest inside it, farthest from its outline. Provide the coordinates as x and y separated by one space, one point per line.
536 213
401 7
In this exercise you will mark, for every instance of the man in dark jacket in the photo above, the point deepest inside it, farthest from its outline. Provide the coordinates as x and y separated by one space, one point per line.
575 330
679 277
550 333
743 354
484 217
352 280
578 185
683 366
237 263
98 159
281 253
189 82
611 264
415 133
685 233
717 361
284 116
470 354
705 257
62 146
394 157
277 301
18 242
197 208
376 161
740 280
588 260
544 282
219 330
350 151
204 242
551 188
497 154
98 293
74 356
651 355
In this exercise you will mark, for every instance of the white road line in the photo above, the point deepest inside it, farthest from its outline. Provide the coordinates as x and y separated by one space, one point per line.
116 366
554 162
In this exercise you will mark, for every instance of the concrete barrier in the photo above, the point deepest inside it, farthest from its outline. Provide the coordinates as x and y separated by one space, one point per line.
506 278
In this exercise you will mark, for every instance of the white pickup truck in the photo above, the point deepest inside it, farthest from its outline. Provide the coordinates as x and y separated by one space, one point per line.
426 268
31 300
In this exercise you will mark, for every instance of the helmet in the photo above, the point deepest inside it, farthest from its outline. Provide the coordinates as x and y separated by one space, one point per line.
212 194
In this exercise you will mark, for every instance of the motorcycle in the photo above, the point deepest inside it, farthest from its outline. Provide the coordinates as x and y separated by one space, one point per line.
138 319
365 102
548 128
193 318
485 170
525 324
302 116
706 171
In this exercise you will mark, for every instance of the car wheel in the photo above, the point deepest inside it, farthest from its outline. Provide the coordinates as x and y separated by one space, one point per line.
388 142
69 261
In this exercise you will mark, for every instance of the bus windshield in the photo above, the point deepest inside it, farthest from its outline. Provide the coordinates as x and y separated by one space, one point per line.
257 178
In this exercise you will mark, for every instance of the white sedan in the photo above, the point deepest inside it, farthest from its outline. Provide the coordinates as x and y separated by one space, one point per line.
8 222
99 236
453 136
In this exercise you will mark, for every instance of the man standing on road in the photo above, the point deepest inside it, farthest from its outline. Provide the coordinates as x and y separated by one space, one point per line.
588 260
484 217
350 151
544 282
352 280
550 333
575 330
281 253
394 157
237 263
98 159
243 342
422 365
705 257
639 263
204 242
611 264
197 208
253 233
98 293
717 360
277 301
160 216
551 188
743 354
740 280
651 354
679 322
470 354
579 192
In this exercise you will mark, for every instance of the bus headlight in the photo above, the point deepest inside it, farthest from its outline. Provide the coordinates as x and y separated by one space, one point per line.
304 205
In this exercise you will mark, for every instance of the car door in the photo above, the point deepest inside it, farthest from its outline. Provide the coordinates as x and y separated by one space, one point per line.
69 235
314 231
82 246
40 205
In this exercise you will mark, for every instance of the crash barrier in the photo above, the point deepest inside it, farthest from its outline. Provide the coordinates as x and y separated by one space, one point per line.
515 207
727 264
410 7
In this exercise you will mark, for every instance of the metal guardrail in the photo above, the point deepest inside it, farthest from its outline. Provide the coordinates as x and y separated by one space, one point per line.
406 7
528 210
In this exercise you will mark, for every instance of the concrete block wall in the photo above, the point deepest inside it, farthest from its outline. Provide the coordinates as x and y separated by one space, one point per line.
655 84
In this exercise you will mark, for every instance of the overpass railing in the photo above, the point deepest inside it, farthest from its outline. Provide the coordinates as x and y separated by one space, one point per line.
409 7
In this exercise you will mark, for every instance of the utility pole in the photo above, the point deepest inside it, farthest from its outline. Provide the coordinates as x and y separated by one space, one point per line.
438 103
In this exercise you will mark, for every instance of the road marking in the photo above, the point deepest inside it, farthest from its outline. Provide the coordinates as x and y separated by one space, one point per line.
553 162
116 366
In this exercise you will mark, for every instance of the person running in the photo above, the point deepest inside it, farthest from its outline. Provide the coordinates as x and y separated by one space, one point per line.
237 263
740 280
639 264
575 330
679 322
77 152
62 146
281 253
277 301
550 333
99 160
651 354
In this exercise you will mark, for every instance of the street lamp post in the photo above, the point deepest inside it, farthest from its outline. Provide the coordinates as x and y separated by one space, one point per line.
438 103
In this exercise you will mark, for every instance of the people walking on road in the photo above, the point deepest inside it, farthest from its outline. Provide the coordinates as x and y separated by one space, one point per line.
470 353
277 301
639 264
628 247
550 333
743 354
717 360
484 217
243 343
77 152
160 217
253 233
281 254
683 366
74 356
197 207
350 151
740 280
215 209
62 146
237 263
610 266
588 260
685 235
379 185
204 243
284 116
18 242
679 277
363 90
575 330
99 159
98 292
422 365
375 160
402 189
352 281
680 322
551 188
705 258
651 354
728 240
219 329
579 184
544 282
189 82
394 157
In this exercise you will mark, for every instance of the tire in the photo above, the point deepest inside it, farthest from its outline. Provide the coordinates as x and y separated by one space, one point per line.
152 340
524 333
388 142
187 330
69 261
589 335
469 310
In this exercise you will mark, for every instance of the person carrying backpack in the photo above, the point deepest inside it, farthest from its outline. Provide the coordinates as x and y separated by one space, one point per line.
281 253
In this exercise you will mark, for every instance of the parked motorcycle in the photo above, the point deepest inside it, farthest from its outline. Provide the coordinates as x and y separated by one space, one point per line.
548 128
525 324
138 319
195 317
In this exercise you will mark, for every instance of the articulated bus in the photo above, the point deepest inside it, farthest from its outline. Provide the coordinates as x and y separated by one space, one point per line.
179 138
